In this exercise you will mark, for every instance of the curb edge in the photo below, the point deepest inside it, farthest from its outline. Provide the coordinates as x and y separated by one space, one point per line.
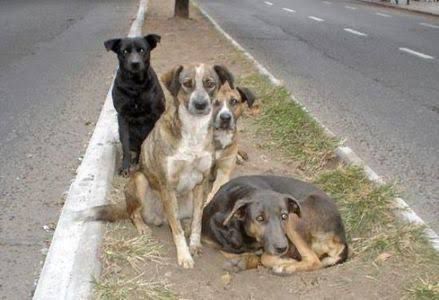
72 262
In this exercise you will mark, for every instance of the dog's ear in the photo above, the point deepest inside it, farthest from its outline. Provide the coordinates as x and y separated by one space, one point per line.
238 210
293 206
241 196
224 75
113 45
246 95
171 80
152 40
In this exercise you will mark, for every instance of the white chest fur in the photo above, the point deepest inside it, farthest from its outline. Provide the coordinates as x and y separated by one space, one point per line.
223 137
186 168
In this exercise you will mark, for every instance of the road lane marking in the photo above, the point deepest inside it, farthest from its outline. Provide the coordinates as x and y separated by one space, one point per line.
383 15
429 25
327 2
268 3
350 7
355 32
289 10
413 52
316 19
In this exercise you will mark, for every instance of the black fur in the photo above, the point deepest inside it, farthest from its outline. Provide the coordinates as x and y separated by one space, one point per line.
137 95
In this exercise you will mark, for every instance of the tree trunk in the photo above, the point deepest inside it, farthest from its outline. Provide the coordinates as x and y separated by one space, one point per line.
181 8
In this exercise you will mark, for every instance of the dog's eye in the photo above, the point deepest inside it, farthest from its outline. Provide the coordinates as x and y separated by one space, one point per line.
210 84
233 101
141 50
260 218
125 52
216 102
284 216
188 83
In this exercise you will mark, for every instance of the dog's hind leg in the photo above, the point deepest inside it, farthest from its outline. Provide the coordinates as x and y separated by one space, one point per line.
170 205
135 191
310 261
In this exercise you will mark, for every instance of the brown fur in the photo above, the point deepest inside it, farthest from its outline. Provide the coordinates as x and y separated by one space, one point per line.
226 155
176 158
298 227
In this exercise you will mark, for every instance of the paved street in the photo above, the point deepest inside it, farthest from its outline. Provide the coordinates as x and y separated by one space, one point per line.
367 72
54 76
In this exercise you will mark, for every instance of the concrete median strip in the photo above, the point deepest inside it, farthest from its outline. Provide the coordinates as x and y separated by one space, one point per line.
72 262
344 153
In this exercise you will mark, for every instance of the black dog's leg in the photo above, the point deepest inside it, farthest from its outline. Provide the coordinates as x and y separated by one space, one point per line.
124 135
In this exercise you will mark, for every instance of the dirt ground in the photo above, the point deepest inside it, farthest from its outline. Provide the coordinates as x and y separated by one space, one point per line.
196 40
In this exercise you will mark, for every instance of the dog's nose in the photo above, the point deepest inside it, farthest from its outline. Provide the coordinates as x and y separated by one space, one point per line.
225 117
200 105
135 65
281 249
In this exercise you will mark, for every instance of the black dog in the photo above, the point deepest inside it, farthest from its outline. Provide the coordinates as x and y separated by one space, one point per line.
137 95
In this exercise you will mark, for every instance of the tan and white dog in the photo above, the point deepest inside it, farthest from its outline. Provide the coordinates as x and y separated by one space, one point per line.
176 160
228 107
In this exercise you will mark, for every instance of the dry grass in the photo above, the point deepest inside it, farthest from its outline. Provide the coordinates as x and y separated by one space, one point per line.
121 250
425 289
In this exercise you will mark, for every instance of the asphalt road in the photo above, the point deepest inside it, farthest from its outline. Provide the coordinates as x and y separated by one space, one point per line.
342 60
54 76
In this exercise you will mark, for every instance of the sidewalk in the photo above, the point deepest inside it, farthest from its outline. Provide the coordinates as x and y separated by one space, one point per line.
430 8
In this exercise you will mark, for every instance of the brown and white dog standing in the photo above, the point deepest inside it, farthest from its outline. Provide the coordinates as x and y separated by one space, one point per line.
228 107
176 159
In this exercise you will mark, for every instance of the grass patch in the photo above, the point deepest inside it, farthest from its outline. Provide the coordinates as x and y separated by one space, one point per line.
134 288
289 126
370 223
364 206
121 250
424 289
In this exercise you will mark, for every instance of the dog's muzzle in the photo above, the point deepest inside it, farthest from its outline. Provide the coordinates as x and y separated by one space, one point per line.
200 105
225 120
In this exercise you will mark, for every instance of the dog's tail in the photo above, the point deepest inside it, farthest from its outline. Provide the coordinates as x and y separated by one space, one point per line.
107 212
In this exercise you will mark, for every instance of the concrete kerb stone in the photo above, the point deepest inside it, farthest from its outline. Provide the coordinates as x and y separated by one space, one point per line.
344 153
405 7
72 262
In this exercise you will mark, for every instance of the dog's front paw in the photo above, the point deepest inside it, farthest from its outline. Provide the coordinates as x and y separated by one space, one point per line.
185 260
143 229
234 265
124 172
284 269
196 248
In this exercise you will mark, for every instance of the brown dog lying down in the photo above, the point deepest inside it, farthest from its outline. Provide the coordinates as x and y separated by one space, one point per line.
296 225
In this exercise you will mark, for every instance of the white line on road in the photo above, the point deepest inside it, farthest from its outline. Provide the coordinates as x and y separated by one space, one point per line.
429 25
383 15
289 10
268 3
355 32
419 54
327 2
350 7
316 19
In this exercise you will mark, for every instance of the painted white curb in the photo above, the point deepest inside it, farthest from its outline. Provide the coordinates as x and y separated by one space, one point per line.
72 261
344 153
